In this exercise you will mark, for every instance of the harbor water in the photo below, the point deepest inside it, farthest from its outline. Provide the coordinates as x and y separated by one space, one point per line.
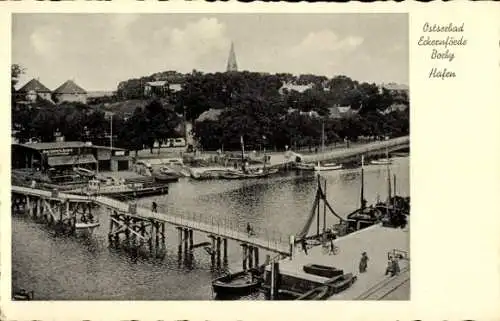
86 268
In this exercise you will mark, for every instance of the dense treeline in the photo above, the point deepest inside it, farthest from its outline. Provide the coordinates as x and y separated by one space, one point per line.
252 105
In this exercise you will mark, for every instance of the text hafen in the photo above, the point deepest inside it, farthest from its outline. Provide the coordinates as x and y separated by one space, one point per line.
443 73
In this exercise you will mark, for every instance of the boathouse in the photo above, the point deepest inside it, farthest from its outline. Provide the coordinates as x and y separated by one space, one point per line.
66 155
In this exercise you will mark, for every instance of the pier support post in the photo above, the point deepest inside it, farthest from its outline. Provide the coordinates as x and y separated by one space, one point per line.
163 236
29 205
250 256
256 255
157 236
212 251
179 252
244 248
150 239
186 240
38 208
224 242
218 251
191 241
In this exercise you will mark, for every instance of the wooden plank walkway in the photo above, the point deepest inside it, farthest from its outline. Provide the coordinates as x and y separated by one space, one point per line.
197 222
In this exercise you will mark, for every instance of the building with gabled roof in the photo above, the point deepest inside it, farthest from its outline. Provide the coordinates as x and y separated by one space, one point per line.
70 92
33 89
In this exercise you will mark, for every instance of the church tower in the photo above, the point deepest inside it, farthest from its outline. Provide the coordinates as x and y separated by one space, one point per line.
231 61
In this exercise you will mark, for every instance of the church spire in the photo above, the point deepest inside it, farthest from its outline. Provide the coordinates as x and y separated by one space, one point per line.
231 61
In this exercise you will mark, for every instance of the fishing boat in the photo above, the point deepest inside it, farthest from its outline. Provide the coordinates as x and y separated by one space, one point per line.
239 283
121 191
327 167
342 282
166 175
381 161
88 226
319 293
259 173
23 295
84 172
322 270
304 166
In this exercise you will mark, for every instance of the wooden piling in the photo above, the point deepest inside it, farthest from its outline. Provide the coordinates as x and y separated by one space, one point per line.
224 242
212 252
250 257
38 208
244 248
191 241
186 240
157 236
179 230
218 251
163 236
150 239
256 255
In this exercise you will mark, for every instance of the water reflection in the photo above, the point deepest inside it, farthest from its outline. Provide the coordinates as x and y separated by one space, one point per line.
68 268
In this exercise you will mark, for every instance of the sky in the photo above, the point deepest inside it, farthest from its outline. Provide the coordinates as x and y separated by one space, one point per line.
98 51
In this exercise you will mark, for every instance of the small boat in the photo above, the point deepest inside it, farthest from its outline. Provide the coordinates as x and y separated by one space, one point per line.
319 293
342 282
322 270
84 172
239 283
381 161
86 226
327 167
304 166
259 173
23 295
166 178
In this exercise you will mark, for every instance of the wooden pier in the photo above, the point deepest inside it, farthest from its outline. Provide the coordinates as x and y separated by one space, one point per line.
137 227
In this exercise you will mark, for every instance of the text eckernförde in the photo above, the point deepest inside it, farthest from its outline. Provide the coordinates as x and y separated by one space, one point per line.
449 41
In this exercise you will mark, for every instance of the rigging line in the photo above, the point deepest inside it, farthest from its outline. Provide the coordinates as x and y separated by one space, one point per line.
323 196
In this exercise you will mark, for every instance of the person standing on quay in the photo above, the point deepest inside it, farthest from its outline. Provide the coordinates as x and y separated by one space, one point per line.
304 245
154 207
363 263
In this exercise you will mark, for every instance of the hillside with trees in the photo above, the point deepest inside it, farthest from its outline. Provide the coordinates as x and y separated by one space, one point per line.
253 105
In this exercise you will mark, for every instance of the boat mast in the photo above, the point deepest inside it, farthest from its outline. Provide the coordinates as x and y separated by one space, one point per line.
242 150
322 135
362 182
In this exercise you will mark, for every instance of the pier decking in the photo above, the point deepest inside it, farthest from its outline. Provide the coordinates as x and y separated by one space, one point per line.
197 222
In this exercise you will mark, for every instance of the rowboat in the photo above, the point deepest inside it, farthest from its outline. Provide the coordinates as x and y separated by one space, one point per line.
23 295
304 166
319 293
381 161
327 167
342 282
322 270
86 226
84 172
239 283
260 173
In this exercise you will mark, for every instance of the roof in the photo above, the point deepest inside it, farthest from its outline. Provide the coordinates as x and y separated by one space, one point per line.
340 111
299 88
54 145
69 87
394 86
175 87
34 85
157 83
211 114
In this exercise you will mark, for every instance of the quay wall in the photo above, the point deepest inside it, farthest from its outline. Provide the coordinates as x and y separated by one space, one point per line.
374 148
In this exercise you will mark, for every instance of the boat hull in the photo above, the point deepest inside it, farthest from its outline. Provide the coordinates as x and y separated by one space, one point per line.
341 283
321 270
319 293
327 168
236 284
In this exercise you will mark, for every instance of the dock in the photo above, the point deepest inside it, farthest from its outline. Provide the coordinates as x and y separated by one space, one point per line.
139 226
377 241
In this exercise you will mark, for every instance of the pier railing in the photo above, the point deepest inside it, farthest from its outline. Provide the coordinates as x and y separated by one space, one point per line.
268 239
